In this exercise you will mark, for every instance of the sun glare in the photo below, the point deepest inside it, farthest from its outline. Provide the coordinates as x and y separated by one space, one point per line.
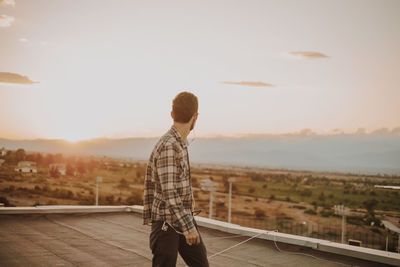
75 137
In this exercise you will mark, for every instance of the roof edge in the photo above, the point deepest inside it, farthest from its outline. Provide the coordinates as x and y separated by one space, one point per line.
67 209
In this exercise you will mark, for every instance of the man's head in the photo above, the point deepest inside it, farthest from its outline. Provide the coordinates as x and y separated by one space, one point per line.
184 108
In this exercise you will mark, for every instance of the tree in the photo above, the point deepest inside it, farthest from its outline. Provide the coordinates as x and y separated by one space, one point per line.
370 218
20 154
49 159
136 198
256 177
71 160
370 205
260 213
91 165
70 170
59 158
80 166
54 172
315 204
322 197
265 186
10 158
5 201
38 158
30 157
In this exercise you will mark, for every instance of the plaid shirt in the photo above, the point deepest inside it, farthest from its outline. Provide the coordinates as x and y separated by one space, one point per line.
167 186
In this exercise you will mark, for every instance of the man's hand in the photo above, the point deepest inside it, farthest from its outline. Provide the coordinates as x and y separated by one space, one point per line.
192 238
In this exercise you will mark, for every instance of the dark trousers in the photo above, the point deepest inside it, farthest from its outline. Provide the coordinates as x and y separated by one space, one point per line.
165 246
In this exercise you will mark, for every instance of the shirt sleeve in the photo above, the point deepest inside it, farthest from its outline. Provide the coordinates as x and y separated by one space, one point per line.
148 197
167 168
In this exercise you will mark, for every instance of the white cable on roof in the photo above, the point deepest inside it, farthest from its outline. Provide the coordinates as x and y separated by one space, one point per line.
305 254
276 245
238 244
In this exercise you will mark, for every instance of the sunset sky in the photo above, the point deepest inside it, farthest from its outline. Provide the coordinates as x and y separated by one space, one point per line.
111 68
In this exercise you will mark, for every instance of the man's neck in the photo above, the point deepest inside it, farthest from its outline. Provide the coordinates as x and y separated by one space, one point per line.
183 129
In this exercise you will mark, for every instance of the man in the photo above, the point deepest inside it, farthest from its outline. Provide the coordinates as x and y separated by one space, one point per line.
168 197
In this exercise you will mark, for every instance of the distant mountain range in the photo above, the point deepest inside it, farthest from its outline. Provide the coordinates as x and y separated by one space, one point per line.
355 153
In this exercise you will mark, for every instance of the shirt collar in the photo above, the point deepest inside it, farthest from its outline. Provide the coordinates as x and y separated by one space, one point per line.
177 136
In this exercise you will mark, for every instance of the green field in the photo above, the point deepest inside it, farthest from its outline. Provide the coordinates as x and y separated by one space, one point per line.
322 192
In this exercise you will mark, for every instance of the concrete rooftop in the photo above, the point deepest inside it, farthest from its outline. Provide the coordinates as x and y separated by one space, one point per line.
120 239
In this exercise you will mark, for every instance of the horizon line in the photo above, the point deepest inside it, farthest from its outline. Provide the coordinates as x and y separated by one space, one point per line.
303 132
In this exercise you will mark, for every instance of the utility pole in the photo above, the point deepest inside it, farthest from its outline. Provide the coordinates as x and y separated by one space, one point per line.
230 180
99 179
208 185
211 205
344 211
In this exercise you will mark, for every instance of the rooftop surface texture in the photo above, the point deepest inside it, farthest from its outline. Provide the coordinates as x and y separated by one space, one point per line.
120 239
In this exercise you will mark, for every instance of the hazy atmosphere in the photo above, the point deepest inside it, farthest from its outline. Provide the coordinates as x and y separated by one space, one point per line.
86 69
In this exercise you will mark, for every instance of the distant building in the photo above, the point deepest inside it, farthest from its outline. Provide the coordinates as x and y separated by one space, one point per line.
61 167
3 152
26 167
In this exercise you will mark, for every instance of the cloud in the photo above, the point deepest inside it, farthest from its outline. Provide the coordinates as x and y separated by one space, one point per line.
309 55
384 131
7 2
247 83
381 131
396 131
13 78
306 132
361 131
6 21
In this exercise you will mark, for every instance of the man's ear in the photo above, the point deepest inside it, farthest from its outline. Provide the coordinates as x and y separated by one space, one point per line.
193 118
172 114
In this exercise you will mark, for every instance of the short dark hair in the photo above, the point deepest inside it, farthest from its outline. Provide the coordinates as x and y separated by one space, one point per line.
184 106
